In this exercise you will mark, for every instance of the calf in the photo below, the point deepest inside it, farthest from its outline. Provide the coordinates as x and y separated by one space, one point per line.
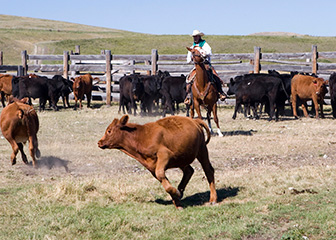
130 88
19 123
82 85
5 87
171 142
306 88
65 88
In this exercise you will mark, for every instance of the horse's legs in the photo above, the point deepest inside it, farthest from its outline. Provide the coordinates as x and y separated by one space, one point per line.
214 110
198 108
203 158
188 171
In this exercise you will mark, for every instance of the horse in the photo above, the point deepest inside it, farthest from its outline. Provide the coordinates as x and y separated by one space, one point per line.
203 92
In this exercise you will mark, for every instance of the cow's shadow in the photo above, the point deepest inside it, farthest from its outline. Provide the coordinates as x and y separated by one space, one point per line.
239 132
51 162
200 199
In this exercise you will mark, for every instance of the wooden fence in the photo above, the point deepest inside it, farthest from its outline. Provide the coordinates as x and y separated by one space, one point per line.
110 67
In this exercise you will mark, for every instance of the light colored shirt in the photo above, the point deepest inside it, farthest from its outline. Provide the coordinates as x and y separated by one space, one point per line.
206 47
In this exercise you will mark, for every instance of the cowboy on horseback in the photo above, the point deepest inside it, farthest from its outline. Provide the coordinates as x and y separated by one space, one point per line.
213 76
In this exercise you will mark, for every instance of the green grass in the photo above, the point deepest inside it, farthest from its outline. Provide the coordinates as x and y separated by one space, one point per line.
54 37
108 195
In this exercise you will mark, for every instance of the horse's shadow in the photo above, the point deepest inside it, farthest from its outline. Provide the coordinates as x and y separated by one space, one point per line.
200 199
50 162
239 132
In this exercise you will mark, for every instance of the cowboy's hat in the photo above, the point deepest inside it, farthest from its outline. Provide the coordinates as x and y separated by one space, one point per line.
197 32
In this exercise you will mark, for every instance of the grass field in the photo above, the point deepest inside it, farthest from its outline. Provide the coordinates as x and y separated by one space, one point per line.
275 180
39 36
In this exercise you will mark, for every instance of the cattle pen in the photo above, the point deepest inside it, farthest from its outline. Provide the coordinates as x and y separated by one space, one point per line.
109 68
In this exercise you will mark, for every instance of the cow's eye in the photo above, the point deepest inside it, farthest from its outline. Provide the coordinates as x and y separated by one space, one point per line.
109 131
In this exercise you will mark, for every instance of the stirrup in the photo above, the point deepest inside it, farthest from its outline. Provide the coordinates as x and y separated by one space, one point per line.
187 101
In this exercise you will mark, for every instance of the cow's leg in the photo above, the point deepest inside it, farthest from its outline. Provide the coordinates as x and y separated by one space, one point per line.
321 107
33 149
304 108
23 155
88 96
236 109
188 171
163 159
76 99
294 107
203 158
15 148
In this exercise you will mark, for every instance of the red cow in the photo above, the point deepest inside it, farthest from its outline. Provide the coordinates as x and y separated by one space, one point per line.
82 85
171 142
307 88
19 123
5 87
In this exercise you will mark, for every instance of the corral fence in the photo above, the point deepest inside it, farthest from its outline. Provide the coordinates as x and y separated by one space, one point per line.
109 68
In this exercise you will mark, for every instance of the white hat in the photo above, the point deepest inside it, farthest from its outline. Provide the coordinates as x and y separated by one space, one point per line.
197 32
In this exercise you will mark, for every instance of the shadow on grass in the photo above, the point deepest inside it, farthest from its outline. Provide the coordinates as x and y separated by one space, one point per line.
50 162
200 199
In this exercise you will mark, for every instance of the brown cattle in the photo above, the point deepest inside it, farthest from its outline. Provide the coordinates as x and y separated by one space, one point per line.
304 88
5 87
82 85
171 142
19 123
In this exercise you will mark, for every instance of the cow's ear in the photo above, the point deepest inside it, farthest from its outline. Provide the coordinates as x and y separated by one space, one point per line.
189 49
25 100
20 113
124 120
326 82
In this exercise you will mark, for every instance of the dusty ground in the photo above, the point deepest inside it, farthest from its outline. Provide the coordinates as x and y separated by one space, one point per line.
68 143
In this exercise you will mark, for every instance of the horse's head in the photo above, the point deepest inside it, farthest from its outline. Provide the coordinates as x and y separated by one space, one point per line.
198 54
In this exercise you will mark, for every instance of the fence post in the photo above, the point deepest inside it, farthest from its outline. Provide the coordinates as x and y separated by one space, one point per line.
257 56
1 57
24 61
108 58
19 71
154 58
77 50
65 64
314 59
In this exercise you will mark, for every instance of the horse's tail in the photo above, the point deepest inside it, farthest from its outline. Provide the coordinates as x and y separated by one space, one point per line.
205 126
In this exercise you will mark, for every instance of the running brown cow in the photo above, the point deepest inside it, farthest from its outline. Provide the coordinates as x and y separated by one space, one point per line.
82 85
19 123
5 87
304 88
171 142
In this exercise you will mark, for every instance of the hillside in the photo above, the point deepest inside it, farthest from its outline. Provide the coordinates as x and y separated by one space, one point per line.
39 36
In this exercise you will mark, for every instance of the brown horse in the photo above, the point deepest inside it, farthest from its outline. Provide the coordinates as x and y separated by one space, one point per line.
204 93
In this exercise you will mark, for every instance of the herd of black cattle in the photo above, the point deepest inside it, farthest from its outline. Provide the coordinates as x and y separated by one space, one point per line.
252 91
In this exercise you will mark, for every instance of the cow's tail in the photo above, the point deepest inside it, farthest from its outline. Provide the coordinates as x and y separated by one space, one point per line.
205 126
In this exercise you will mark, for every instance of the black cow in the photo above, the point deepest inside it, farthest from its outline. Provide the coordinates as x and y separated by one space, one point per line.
284 91
332 89
252 89
131 88
173 90
34 86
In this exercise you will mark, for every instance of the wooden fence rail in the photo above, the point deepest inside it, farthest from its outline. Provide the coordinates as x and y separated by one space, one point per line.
227 65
